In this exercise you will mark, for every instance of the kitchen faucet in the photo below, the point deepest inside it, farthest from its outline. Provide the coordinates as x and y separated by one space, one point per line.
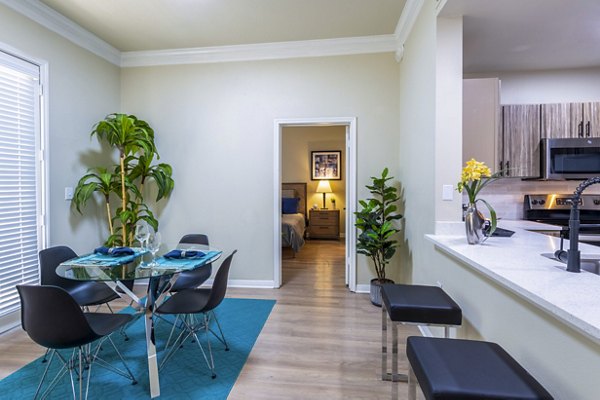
573 255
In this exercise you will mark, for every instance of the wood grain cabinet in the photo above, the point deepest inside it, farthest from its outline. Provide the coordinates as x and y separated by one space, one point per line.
519 147
570 120
585 119
324 224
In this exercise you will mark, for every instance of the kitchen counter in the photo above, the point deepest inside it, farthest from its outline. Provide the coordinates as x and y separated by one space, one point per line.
516 264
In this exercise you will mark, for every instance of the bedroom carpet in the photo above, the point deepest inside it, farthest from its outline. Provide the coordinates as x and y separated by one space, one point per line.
186 375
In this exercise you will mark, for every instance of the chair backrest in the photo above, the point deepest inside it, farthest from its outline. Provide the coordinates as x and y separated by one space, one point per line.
219 287
52 318
49 260
195 238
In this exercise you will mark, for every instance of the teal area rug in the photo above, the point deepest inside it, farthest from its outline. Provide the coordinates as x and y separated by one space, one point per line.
185 376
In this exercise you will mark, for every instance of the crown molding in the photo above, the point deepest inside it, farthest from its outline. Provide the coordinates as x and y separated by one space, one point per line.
58 23
261 51
409 15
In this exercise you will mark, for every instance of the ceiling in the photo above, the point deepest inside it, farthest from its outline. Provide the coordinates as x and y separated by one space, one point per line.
528 34
139 25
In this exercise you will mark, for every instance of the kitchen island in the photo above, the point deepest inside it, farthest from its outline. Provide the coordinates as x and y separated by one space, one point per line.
549 319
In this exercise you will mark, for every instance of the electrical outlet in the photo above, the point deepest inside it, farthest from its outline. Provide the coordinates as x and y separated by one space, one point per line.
68 193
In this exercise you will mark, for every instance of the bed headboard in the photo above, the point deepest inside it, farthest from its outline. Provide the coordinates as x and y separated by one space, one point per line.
297 189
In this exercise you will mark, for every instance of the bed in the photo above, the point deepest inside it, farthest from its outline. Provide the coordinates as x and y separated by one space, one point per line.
293 217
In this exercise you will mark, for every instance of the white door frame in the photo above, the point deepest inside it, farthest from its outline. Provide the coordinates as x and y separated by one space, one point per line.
350 170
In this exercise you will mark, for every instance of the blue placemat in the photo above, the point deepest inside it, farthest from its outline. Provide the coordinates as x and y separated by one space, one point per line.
183 263
97 259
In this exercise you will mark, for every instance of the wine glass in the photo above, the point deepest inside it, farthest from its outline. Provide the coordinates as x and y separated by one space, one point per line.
142 232
154 242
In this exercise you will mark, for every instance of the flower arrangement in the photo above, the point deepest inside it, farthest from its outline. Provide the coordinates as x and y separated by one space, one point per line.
475 176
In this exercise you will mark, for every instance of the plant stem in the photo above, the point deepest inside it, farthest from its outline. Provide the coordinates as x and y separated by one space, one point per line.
108 214
124 194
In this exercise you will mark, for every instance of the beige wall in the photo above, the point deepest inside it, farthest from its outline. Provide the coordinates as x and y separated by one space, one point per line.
296 146
215 124
82 89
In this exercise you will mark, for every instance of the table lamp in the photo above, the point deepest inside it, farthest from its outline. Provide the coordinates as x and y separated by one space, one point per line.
324 187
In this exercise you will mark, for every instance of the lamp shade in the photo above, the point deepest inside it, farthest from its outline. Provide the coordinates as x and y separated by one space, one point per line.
324 187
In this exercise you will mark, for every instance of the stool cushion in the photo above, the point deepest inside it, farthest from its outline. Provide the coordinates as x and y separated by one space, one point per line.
420 304
454 369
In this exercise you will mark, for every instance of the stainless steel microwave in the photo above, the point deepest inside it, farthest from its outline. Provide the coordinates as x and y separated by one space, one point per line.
576 158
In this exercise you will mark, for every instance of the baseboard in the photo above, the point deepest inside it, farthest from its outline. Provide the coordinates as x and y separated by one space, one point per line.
363 288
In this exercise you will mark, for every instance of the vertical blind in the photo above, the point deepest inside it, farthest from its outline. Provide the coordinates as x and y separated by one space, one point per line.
19 200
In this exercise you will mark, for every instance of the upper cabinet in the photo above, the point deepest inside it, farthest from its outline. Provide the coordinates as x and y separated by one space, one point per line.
519 144
481 120
570 120
585 119
557 121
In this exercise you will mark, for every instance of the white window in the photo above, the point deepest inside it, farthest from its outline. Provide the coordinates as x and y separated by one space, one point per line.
20 181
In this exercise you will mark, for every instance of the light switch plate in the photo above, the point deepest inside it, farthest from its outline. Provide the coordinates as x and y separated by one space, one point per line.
447 192
68 193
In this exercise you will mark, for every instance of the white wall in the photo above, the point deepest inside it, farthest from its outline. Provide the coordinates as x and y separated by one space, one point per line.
564 361
214 125
82 89
416 162
549 86
296 146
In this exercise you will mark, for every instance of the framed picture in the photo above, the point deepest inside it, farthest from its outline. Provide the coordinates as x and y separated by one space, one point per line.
326 165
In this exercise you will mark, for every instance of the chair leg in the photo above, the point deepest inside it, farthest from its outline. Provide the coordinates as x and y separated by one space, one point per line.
222 338
412 384
212 361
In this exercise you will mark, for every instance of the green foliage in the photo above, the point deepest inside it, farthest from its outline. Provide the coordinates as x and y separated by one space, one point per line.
134 139
374 221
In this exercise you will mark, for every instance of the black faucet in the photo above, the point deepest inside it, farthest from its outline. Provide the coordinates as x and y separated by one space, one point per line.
573 255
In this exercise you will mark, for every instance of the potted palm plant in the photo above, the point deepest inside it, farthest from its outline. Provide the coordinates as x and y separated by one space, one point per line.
375 223
134 140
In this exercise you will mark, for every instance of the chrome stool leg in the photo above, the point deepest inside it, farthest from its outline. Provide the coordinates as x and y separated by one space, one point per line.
412 384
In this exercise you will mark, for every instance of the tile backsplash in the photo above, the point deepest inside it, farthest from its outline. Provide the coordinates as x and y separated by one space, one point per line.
506 195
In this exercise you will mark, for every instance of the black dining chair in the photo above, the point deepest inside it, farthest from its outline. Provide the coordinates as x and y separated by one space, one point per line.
195 278
86 294
53 319
203 301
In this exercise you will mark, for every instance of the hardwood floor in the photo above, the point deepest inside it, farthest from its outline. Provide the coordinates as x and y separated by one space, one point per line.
320 341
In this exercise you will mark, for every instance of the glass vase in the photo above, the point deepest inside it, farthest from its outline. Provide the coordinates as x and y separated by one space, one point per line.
474 224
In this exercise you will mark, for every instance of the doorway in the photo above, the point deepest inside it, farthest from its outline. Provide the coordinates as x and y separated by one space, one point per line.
345 199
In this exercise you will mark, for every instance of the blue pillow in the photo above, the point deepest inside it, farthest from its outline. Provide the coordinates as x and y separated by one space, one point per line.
290 205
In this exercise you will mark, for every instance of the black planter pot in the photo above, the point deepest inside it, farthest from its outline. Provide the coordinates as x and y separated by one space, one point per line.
376 290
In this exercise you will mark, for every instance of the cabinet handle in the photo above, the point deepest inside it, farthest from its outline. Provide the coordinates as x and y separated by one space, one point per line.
580 129
507 169
500 170
587 129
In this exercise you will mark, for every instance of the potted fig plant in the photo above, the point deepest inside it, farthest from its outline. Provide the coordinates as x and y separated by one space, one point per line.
375 223
133 138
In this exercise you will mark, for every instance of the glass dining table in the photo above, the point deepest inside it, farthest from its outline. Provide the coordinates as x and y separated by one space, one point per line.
161 275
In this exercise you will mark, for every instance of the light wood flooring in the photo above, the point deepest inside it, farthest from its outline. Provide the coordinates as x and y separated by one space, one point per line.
320 341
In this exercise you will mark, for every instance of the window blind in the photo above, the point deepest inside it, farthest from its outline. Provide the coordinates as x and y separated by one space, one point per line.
19 141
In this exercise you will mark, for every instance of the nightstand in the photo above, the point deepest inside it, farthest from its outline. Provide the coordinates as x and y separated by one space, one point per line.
324 224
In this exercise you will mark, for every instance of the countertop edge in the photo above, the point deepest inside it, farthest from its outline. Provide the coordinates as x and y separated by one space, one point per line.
529 294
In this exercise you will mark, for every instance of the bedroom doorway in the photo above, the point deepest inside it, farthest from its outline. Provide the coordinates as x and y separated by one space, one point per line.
299 146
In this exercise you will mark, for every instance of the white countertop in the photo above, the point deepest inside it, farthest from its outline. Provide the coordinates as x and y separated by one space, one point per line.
516 264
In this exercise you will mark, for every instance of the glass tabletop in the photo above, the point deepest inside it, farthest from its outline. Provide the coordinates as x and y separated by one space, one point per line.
99 267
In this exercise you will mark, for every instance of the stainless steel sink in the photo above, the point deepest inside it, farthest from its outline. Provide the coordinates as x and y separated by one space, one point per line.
589 262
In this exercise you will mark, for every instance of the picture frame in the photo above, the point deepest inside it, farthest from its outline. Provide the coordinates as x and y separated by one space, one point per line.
326 165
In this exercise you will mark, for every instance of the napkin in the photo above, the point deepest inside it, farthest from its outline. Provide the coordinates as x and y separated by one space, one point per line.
184 254
115 251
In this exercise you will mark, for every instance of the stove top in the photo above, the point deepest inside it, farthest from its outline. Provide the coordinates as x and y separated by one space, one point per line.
556 208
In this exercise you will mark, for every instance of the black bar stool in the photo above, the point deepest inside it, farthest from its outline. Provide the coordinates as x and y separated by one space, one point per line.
448 369
413 304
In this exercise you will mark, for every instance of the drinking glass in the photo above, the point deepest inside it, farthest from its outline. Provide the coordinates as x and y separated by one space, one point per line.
154 242
142 232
